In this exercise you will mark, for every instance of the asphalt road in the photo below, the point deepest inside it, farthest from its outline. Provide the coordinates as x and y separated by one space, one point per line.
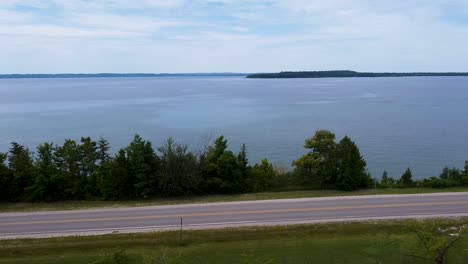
201 216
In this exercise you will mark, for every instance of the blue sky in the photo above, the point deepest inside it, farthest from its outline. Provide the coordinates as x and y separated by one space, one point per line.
56 36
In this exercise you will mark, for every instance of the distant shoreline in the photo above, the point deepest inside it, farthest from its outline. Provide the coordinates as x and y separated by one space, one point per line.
348 74
279 75
118 75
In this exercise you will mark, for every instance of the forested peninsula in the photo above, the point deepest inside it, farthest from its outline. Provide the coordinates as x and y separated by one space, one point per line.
348 74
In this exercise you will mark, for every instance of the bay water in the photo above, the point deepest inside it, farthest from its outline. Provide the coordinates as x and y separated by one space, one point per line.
416 122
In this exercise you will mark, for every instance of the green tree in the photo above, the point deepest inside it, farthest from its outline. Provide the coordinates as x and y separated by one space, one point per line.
47 184
6 178
387 181
103 148
243 160
214 152
89 157
209 166
351 166
178 170
262 176
232 180
406 179
319 163
434 242
465 174
96 155
222 172
21 164
113 179
452 174
466 168
68 158
143 166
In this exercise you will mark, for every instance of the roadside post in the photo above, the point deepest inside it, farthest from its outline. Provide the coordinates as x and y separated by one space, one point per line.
180 232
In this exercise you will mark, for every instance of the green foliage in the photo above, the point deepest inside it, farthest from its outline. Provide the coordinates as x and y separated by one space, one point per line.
68 159
450 174
328 163
6 178
113 179
243 160
103 147
142 166
434 242
282 177
118 257
228 170
262 176
223 171
406 179
164 258
450 177
351 167
47 183
251 259
178 170
386 181
319 164
21 165
86 170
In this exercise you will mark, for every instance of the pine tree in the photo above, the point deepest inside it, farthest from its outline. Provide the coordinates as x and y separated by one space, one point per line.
242 158
89 157
319 164
68 158
6 179
406 179
351 166
21 164
103 150
222 172
384 176
47 184
143 166
262 175
113 180
387 181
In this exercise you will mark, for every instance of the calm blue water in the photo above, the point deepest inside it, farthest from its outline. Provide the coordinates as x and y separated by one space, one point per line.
420 123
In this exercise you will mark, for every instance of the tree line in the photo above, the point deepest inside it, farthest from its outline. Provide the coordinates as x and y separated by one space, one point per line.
86 169
349 74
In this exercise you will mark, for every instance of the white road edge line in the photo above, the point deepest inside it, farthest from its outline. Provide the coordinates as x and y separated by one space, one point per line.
135 208
218 225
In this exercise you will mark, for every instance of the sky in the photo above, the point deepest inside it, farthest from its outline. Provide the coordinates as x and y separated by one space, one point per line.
175 36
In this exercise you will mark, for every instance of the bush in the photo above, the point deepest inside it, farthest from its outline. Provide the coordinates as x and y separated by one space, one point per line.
435 182
119 257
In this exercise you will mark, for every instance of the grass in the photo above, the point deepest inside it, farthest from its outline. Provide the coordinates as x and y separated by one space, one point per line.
366 242
73 205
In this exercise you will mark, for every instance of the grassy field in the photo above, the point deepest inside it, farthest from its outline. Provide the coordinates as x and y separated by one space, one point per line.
369 242
71 205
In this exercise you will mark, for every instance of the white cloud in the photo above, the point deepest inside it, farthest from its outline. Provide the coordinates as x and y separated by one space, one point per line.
27 3
135 24
243 35
82 5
